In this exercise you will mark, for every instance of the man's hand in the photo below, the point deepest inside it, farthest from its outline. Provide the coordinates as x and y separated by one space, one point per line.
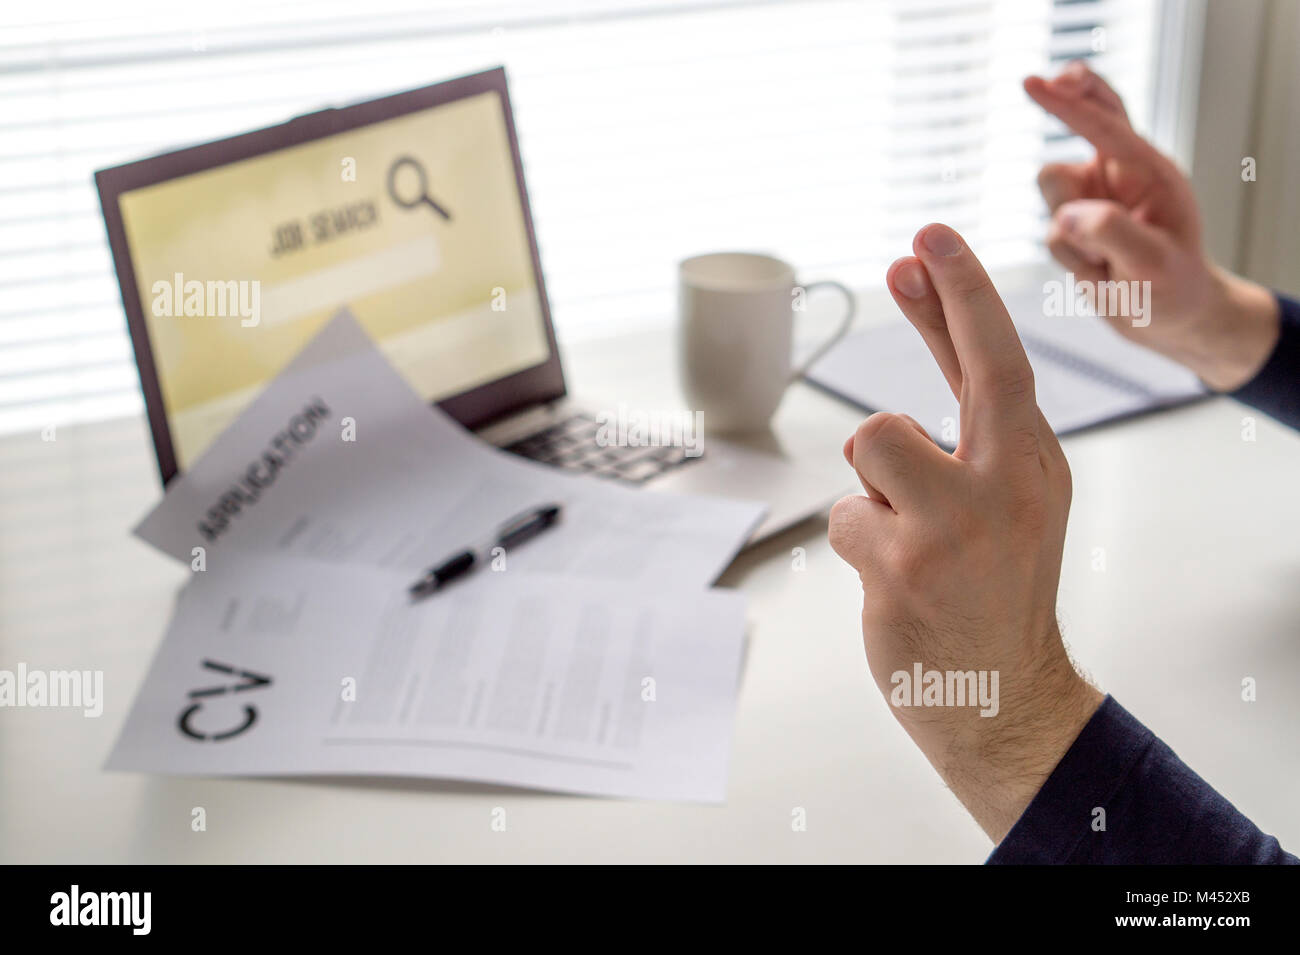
1129 215
960 555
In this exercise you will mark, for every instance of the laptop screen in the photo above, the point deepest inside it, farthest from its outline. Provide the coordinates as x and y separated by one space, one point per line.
416 223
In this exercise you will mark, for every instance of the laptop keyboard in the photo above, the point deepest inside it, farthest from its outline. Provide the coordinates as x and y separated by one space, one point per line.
572 444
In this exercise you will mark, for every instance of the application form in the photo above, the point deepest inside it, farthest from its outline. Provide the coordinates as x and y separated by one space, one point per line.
340 460
591 659
275 666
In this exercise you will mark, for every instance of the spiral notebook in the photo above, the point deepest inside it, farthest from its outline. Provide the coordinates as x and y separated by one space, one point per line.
1085 374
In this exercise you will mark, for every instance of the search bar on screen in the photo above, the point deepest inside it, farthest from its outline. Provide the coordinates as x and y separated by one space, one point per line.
340 284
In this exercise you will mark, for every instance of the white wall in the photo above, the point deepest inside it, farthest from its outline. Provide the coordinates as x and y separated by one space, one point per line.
1249 106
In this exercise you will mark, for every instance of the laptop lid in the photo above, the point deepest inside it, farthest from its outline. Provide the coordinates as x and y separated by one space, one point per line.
410 209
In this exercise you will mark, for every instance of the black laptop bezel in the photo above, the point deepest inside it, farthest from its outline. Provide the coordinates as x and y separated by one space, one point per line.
473 408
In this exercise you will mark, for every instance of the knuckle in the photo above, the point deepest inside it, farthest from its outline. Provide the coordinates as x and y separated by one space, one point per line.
866 432
894 446
1109 219
972 286
929 318
908 560
840 519
892 429
1022 503
882 433
1059 477
1034 504
1015 382
844 531
1024 440
842 515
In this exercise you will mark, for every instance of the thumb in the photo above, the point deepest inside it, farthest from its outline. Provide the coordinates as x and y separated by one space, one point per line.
1106 230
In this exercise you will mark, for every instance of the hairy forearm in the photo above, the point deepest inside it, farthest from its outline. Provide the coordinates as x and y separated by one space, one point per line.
995 766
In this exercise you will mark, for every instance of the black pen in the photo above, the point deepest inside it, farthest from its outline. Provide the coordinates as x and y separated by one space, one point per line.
513 532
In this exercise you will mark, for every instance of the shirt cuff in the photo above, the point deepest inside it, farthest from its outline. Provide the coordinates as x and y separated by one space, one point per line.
1274 389
1121 796
1088 776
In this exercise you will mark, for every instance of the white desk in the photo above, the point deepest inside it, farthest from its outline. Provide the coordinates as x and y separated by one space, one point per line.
1201 588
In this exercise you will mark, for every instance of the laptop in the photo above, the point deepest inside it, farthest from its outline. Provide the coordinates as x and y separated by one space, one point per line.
412 211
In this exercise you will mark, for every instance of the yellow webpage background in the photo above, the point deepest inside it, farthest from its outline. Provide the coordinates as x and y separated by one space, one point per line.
424 288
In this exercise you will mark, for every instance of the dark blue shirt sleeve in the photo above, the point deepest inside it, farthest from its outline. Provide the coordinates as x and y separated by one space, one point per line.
1157 811
1276 389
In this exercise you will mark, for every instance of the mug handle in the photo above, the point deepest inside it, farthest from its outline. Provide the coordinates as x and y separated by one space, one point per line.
840 332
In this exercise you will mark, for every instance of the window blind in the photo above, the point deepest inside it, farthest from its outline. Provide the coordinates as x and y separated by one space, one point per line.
825 131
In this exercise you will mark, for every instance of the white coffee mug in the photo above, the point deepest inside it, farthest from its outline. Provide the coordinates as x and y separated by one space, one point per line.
736 334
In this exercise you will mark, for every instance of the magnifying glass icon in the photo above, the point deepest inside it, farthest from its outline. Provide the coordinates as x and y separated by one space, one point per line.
410 198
